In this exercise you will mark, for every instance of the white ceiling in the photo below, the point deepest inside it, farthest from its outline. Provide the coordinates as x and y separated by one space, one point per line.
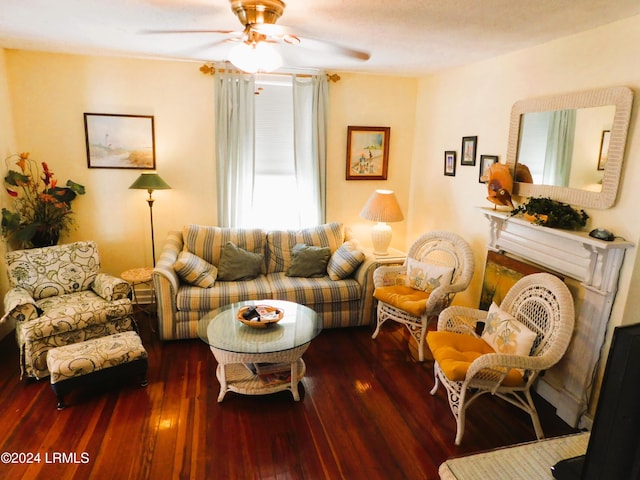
404 37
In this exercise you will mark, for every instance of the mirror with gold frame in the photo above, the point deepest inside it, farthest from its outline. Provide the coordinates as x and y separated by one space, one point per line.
602 109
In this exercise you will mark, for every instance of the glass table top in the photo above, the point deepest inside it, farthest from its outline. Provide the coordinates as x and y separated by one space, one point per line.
221 328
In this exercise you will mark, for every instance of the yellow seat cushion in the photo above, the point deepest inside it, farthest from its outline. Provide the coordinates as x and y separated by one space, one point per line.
403 297
454 352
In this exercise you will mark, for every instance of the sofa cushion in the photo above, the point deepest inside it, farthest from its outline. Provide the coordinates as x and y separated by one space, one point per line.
71 313
57 270
455 352
344 261
195 299
405 298
281 242
308 261
309 291
238 264
195 270
207 242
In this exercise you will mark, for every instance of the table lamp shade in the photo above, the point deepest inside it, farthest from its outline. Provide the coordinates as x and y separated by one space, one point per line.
382 207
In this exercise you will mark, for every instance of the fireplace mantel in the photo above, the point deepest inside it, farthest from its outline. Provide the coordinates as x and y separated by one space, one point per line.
595 264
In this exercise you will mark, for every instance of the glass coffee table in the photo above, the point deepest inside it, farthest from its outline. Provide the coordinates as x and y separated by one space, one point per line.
245 353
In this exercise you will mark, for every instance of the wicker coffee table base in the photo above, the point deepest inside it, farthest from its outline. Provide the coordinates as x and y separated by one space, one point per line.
235 377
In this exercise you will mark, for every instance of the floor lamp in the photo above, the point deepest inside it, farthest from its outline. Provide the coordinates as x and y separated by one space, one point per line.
150 182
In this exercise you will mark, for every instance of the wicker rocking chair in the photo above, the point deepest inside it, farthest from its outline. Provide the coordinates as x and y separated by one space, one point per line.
468 365
438 265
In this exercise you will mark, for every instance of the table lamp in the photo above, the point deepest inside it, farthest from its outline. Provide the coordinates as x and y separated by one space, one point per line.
150 181
382 207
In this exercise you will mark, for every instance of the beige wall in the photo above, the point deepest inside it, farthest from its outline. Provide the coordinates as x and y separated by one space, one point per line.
378 101
50 92
7 147
477 99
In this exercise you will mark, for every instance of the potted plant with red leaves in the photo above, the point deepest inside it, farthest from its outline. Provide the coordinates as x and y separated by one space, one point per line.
41 209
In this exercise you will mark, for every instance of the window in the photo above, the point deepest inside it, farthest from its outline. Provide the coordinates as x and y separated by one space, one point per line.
274 198
271 150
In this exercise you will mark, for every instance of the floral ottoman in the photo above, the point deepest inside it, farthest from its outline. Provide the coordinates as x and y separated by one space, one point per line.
97 361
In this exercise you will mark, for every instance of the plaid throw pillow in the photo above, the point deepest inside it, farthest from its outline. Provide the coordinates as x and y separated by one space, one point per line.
195 270
344 261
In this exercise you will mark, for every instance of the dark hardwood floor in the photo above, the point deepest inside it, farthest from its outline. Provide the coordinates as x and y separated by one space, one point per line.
365 413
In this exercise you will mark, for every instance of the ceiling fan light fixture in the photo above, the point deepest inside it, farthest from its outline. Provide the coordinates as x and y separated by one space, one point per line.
255 57
257 11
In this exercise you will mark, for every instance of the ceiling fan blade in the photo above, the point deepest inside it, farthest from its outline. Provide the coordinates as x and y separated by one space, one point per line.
222 32
331 47
288 36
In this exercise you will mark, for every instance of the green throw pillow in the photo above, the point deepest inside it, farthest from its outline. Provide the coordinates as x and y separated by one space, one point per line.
238 264
308 261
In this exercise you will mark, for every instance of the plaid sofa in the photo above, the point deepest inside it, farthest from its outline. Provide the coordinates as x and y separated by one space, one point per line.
343 302
59 297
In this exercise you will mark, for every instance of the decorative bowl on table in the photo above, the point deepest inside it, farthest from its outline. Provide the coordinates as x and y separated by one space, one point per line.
260 316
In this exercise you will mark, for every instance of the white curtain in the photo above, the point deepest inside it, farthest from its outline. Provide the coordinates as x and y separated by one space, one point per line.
310 104
560 136
234 118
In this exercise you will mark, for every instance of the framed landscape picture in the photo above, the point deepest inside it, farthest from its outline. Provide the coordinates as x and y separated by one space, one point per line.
367 153
120 141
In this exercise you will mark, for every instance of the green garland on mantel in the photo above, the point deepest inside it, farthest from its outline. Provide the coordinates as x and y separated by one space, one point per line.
551 213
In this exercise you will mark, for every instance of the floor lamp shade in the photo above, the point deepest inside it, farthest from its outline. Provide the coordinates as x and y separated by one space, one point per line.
382 207
150 182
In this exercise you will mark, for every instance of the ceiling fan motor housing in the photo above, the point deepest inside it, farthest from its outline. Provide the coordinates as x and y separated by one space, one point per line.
251 12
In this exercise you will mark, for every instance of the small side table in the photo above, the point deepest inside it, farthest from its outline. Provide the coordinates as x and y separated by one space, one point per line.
136 277
394 257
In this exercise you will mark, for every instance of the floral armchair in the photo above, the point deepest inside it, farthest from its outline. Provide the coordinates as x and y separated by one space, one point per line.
59 297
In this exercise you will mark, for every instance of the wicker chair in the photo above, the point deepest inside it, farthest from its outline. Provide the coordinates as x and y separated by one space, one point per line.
543 304
408 295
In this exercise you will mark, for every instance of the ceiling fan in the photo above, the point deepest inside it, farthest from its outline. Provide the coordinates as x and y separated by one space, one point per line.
255 52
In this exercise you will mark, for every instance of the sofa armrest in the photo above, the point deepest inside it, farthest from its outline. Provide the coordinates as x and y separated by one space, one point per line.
110 287
166 283
364 276
19 305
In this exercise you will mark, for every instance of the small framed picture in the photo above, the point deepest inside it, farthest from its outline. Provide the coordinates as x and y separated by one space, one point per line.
485 162
604 149
367 153
450 163
469 147
120 141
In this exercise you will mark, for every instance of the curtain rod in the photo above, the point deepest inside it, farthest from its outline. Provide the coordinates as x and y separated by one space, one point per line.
209 69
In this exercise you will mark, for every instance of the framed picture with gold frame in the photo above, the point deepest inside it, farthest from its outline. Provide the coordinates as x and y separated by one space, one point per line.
367 153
